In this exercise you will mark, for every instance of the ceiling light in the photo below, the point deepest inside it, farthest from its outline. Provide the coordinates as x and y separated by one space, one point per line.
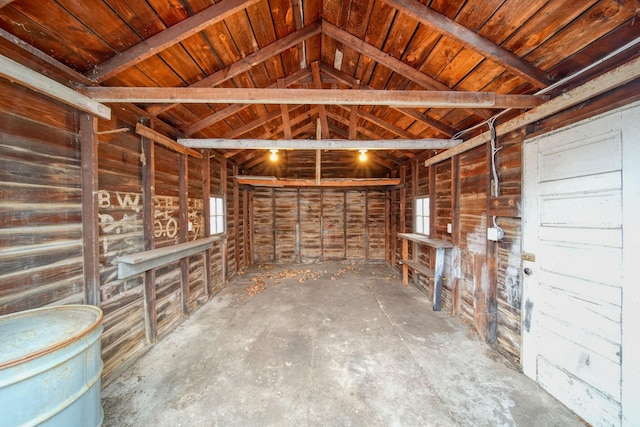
274 155
363 155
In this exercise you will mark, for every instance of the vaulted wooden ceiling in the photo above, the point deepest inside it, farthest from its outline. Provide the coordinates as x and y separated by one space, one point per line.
429 51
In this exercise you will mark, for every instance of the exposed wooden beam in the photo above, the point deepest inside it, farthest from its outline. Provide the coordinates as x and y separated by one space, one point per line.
411 113
386 125
606 82
471 40
142 130
398 98
18 73
317 83
169 37
245 64
390 62
256 123
361 129
323 144
347 182
236 108
284 113
294 121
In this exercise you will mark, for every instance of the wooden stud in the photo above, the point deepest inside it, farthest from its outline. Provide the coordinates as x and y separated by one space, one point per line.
317 83
148 213
225 242
206 211
183 224
236 220
455 228
90 208
245 223
284 112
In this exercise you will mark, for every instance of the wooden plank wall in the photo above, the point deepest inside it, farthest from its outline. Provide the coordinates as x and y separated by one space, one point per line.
311 225
41 242
459 190
40 207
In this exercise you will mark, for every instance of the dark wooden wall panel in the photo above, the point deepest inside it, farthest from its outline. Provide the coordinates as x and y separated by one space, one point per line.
286 223
40 208
356 225
333 225
313 225
377 226
263 228
310 228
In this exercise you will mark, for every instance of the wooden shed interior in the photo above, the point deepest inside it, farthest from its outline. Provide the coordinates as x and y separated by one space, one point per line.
136 145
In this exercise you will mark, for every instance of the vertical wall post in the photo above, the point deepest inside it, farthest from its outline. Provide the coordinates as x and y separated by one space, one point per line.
148 213
90 231
366 225
206 213
245 226
183 224
491 296
225 243
455 229
236 219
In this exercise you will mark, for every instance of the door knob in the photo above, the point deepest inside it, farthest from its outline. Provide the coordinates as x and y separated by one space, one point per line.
528 271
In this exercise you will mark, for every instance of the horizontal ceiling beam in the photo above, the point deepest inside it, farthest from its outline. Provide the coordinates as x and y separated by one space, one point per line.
37 82
347 182
397 98
322 144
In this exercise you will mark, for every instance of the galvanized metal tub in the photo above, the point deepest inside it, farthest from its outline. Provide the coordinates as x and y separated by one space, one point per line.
50 367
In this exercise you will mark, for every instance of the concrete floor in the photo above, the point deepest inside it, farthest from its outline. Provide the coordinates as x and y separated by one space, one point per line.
325 345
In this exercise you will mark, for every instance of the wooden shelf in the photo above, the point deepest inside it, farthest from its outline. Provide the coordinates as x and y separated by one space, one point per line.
420 268
130 265
426 240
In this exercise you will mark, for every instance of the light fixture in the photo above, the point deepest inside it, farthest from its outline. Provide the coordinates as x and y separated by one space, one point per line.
274 154
363 155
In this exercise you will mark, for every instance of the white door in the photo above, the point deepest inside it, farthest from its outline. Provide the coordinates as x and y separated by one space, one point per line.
577 184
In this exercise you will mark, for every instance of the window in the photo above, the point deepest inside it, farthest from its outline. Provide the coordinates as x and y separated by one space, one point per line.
422 215
216 210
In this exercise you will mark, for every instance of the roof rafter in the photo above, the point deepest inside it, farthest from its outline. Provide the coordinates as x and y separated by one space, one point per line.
169 37
248 62
236 108
427 16
390 62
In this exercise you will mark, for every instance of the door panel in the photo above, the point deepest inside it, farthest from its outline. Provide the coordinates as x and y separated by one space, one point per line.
573 240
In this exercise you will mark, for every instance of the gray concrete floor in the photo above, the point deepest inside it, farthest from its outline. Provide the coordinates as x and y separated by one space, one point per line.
324 345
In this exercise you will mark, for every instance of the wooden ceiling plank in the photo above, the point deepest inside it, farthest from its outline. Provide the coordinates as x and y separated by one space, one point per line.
317 83
235 108
471 40
247 63
169 37
397 98
323 144
284 112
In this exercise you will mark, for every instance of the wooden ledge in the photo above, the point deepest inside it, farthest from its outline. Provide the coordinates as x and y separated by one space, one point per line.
130 265
421 238
420 268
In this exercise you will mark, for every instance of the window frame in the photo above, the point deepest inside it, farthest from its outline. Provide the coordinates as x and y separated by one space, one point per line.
217 203
422 215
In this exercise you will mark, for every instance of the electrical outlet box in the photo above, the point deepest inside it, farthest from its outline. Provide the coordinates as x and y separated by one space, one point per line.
449 228
495 234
